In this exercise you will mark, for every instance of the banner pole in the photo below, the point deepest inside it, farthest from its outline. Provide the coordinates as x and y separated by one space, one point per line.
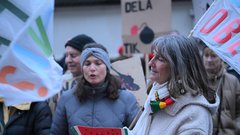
146 67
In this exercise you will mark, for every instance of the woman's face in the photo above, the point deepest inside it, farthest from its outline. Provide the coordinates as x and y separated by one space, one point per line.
212 62
159 69
94 70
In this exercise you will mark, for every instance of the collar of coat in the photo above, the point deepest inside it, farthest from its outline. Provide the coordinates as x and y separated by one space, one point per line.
188 99
24 106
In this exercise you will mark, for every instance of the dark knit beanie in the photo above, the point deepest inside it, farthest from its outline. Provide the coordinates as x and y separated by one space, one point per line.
79 41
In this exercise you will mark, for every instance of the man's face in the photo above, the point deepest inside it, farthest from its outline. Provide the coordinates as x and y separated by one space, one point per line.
72 60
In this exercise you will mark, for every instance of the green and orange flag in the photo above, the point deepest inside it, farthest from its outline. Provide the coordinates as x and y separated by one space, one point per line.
28 71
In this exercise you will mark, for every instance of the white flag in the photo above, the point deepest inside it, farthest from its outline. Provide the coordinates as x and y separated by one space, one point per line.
28 71
219 29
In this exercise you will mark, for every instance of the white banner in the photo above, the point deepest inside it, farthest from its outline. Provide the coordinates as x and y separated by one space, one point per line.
219 28
28 71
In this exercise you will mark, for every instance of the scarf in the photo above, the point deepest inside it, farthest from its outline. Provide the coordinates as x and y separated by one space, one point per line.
143 124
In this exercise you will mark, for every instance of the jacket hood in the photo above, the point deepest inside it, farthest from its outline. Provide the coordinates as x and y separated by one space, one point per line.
188 99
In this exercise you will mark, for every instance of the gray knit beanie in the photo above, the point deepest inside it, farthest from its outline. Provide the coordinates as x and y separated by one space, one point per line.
98 53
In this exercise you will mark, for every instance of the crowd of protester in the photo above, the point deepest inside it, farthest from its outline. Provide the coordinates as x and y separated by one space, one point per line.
191 91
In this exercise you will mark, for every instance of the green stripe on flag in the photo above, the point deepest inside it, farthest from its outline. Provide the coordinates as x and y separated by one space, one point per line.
47 48
15 10
34 36
4 41
42 42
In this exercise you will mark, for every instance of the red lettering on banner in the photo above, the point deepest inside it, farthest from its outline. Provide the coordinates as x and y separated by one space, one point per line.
232 47
223 13
224 35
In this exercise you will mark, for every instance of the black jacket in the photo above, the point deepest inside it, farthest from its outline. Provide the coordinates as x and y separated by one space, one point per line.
36 121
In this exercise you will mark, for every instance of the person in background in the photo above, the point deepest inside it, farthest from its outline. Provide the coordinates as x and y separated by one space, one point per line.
73 49
97 100
227 119
61 62
33 118
180 101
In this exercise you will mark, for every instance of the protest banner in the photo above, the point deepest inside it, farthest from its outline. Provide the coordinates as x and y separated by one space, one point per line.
28 71
130 72
142 22
219 29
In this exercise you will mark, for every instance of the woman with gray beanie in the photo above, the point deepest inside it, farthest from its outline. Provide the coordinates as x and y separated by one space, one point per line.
73 50
97 100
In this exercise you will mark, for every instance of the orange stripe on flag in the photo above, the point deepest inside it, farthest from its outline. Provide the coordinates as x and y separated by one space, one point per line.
24 85
4 71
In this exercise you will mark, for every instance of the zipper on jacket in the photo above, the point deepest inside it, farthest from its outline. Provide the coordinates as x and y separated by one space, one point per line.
93 104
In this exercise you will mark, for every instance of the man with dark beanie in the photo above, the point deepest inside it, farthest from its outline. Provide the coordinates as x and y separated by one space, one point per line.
73 50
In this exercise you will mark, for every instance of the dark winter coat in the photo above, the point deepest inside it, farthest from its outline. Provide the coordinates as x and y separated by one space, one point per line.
36 121
227 119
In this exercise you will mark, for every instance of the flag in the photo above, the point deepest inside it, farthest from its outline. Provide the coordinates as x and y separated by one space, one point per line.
219 29
28 71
